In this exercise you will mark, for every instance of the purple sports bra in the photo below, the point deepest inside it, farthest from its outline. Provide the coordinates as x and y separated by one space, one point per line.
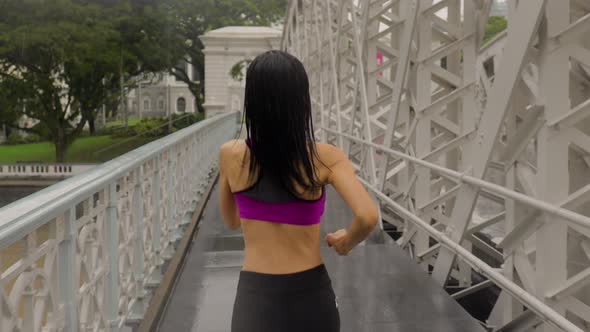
266 200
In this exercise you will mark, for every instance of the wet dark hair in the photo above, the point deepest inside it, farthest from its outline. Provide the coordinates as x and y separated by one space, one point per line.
277 111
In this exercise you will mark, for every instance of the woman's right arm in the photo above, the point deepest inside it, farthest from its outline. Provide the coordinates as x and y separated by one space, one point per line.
365 216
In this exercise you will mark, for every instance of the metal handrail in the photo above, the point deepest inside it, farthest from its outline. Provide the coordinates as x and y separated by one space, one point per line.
114 227
555 210
530 301
142 133
24 216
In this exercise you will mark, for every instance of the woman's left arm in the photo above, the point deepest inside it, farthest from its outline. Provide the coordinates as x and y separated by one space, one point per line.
227 203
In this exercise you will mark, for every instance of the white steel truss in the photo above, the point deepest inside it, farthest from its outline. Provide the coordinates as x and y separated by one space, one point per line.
439 125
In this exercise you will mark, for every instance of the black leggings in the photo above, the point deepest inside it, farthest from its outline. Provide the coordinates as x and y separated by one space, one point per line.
302 301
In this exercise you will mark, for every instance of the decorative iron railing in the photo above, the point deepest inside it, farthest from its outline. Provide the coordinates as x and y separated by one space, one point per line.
86 253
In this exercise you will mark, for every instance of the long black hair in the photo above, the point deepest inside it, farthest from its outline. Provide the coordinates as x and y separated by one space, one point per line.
277 111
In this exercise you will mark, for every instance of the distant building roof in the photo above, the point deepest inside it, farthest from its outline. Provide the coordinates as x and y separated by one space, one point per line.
243 32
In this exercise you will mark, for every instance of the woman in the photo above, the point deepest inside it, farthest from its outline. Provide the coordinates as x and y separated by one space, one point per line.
273 185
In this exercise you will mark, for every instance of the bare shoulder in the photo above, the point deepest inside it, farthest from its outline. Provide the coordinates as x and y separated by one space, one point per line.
230 150
330 154
231 146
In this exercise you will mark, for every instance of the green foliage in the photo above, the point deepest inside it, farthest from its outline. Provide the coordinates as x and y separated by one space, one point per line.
15 138
494 26
8 103
118 123
151 127
42 131
238 71
180 121
60 60
65 58
154 126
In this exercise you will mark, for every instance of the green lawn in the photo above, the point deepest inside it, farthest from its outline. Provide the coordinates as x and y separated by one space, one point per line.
82 150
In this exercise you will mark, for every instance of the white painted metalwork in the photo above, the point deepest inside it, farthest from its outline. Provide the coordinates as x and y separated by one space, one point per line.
458 138
86 253
42 170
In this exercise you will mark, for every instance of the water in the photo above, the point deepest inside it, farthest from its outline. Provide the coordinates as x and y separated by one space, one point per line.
9 194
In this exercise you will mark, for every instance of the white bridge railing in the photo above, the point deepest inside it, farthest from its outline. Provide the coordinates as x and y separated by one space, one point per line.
42 170
494 276
85 254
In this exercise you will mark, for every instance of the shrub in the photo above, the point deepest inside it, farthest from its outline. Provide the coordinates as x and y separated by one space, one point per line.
104 131
43 131
14 138
33 138
151 127
186 119
123 132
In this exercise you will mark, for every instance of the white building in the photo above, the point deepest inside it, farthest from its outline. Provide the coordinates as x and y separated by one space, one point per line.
223 49
161 94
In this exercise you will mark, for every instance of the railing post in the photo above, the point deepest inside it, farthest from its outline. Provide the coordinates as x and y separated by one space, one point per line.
195 171
187 182
170 204
194 180
138 268
156 222
28 293
178 193
201 168
67 262
112 245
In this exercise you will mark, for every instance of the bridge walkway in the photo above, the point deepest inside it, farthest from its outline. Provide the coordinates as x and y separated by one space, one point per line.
378 287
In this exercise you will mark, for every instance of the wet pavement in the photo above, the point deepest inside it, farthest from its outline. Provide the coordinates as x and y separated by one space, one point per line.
378 287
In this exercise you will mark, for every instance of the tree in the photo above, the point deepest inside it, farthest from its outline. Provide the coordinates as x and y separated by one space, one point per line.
494 26
42 48
8 102
65 58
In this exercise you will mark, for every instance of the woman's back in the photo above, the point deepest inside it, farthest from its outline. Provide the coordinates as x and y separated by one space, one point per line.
281 245
273 187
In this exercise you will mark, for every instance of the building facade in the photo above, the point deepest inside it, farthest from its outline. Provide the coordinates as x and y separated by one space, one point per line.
160 95
224 48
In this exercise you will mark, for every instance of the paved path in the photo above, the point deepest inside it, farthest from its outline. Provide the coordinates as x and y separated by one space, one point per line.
378 287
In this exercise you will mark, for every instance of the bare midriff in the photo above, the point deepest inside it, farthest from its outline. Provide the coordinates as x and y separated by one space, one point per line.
276 248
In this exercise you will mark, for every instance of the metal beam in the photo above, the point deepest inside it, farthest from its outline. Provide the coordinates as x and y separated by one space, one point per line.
530 14
523 230
473 289
399 84
572 117
551 209
541 309
572 285
524 134
525 322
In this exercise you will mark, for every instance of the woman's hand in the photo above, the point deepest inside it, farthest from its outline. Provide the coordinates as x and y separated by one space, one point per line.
340 241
